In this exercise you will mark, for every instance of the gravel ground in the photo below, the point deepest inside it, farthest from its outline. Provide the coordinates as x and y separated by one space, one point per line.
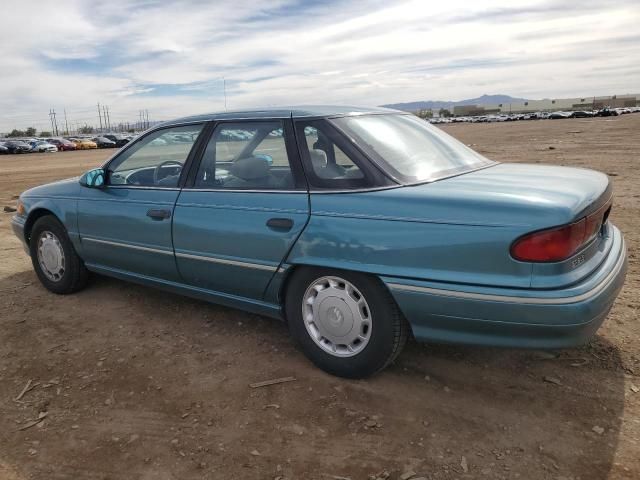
137 383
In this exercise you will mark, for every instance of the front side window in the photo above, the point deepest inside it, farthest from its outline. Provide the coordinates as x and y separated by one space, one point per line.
246 155
156 160
409 148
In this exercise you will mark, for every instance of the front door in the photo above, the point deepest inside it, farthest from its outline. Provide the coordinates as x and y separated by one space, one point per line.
243 209
126 226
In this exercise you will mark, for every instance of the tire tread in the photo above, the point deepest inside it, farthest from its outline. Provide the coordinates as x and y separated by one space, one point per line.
401 331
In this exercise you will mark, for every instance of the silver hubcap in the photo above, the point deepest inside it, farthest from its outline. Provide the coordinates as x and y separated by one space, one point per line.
337 316
51 256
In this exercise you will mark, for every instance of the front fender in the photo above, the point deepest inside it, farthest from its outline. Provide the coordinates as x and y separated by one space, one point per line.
63 208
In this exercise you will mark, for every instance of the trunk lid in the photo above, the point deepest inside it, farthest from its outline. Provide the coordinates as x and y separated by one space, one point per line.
525 198
536 196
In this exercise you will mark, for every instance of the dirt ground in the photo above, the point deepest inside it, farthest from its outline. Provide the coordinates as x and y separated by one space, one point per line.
141 384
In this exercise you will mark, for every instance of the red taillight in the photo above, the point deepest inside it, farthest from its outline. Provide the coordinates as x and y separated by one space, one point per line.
549 245
560 243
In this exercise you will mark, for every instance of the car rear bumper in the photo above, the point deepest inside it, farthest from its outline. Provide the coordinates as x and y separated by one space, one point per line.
511 317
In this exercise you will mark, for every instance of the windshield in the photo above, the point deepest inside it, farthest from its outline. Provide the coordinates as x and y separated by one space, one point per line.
409 148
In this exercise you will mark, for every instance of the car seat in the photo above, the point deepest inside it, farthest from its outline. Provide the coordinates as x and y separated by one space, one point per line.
251 172
322 168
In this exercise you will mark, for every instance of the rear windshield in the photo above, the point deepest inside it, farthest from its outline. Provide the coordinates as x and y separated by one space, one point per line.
409 148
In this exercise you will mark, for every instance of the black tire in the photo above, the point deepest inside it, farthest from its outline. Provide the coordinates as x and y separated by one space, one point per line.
389 329
75 275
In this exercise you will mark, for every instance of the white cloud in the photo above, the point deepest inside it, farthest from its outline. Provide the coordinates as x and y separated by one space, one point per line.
169 57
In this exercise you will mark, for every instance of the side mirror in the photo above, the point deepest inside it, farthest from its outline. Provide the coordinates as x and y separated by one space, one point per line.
93 178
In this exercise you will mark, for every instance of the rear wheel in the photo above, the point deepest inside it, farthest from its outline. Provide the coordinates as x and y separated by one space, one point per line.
58 266
347 323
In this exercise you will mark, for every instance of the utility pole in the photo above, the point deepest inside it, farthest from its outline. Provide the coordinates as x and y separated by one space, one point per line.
224 90
99 116
51 120
147 117
54 124
108 118
104 114
66 125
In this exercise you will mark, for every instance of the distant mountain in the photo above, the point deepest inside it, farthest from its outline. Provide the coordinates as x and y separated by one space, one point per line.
437 104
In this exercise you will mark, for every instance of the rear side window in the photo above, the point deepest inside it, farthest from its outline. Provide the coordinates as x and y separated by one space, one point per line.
409 148
246 155
331 163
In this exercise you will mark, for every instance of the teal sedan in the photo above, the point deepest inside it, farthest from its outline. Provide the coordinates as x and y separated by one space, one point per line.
358 227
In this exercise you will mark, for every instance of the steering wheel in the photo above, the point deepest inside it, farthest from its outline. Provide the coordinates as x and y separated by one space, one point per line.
156 171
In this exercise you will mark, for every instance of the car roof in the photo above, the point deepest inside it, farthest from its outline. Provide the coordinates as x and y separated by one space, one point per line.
301 111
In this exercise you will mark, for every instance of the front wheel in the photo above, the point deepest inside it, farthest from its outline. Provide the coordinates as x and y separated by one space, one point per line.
346 323
58 266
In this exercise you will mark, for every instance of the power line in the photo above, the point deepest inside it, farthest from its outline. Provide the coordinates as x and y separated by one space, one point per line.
74 119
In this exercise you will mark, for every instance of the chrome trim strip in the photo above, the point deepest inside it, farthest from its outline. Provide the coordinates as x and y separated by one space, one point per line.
140 187
509 299
283 268
127 245
326 191
313 190
240 190
224 261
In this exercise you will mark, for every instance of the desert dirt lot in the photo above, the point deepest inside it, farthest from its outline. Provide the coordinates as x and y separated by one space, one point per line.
137 383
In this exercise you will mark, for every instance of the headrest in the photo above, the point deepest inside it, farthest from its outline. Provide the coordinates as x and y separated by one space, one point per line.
250 168
318 158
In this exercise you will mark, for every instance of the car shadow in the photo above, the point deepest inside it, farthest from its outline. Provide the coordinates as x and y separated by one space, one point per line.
443 411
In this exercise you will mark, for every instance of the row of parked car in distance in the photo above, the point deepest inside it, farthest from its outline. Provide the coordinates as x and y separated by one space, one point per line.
512 117
62 144
31 145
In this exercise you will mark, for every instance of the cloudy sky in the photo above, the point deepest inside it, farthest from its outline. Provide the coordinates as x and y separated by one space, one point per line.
170 57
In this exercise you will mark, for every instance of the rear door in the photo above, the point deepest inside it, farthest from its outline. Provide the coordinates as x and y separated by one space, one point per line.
242 209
